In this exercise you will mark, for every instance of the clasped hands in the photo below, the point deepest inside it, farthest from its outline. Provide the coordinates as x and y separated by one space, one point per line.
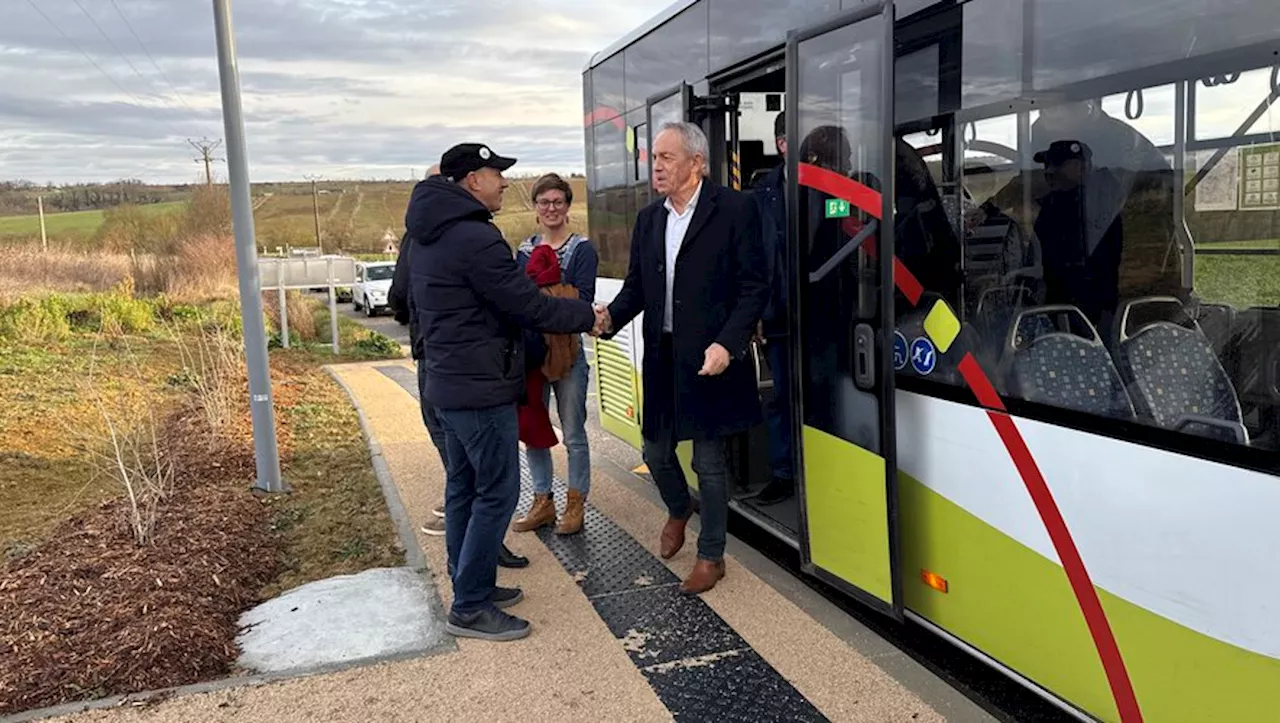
714 362
604 322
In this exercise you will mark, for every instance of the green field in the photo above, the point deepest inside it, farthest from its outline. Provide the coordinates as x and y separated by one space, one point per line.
85 222
354 217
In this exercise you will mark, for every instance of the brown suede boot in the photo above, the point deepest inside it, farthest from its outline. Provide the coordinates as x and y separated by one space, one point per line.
542 513
704 576
571 520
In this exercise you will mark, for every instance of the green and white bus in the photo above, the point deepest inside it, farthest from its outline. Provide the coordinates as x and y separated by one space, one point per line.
1036 411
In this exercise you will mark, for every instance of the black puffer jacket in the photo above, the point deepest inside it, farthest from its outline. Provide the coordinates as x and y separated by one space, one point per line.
399 300
471 301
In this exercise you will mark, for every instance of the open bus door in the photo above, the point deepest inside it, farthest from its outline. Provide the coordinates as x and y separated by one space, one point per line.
839 187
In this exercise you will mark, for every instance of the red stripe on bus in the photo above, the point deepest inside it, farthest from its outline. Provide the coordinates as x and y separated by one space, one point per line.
907 282
834 184
1082 587
1077 575
605 113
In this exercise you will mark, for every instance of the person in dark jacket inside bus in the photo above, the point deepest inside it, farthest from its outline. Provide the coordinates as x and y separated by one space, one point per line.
401 304
472 302
771 194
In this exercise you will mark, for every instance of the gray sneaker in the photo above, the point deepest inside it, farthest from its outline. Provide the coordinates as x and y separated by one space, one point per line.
434 527
492 625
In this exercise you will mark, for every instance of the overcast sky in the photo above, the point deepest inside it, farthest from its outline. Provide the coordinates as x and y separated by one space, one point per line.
343 88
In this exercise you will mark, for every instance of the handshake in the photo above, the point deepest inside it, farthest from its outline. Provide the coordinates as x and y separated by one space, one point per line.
604 322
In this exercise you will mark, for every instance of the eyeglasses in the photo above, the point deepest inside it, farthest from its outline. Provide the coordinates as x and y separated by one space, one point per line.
557 204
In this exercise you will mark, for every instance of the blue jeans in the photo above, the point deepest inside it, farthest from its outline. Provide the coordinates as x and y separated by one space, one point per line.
480 496
780 459
711 464
571 405
430 418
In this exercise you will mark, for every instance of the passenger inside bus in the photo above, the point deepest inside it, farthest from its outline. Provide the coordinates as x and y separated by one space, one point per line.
1145 181
1080 232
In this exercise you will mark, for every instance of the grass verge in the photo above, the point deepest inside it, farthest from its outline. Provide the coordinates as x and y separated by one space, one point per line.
86 611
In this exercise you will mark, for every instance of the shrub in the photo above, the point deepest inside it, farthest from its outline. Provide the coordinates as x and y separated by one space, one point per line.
376 344
34 321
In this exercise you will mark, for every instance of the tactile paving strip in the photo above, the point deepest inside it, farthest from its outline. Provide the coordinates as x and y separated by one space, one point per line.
406 378
698 666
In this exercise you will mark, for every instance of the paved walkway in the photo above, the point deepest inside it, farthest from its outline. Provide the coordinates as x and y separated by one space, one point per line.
612 639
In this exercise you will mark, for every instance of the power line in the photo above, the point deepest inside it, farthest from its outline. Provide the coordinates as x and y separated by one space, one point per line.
124 57
137 101
119 52
154 64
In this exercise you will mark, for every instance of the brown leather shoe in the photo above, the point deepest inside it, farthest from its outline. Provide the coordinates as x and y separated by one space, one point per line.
673 537
705 575
571 520
543 512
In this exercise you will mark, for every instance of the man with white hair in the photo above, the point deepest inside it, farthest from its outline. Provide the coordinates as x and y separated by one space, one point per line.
699 273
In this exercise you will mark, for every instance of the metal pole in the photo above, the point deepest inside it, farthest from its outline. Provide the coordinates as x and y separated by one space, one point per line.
333 307
265 446
44 238
284 307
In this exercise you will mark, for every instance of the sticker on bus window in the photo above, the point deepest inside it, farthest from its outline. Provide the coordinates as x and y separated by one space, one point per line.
923 356
899 351
837 208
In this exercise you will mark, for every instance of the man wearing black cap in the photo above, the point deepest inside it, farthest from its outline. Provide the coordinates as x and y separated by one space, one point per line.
471 302
1080 232
401 302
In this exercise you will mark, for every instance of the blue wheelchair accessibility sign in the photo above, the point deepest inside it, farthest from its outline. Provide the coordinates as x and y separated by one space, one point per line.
899 351
923 356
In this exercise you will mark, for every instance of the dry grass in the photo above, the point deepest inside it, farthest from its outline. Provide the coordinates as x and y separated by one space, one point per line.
302 316
196 268
213 369
25 270
124 447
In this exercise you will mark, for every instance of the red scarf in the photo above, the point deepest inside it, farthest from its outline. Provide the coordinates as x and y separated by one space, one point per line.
534 419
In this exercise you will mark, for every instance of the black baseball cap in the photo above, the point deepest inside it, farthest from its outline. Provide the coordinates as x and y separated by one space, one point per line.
465 158
1059 152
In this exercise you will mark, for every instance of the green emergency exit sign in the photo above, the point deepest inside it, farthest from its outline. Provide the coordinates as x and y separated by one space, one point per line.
837 208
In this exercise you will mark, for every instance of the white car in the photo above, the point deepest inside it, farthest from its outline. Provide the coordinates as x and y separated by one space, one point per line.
373 281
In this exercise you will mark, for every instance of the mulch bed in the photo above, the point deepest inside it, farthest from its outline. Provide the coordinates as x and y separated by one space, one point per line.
90 614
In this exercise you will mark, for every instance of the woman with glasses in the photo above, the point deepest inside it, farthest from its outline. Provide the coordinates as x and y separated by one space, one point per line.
553 197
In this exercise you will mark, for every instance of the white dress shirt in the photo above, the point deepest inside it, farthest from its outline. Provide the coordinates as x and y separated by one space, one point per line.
677 227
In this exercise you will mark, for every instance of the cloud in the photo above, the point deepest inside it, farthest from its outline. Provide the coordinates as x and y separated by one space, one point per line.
346 88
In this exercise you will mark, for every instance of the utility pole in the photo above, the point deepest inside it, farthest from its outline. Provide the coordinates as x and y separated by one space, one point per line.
44 238
206 149
315 207
266 450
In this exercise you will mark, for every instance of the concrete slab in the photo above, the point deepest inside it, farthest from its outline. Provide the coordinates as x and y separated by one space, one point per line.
374 614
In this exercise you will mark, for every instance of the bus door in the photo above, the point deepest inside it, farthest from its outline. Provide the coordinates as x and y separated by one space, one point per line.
840 176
